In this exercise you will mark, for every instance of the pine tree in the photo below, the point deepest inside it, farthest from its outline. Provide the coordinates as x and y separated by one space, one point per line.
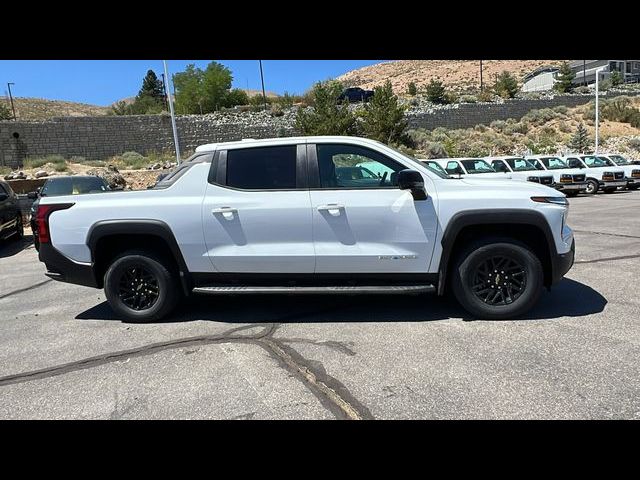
412 89
506 85
151 86
564 81
328 116
383 119
580 141
616 78
436 91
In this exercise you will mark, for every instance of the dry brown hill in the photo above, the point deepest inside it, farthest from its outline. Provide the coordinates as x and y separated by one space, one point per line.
459 75
42 109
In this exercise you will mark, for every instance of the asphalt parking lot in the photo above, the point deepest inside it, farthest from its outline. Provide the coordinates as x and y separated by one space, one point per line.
63 354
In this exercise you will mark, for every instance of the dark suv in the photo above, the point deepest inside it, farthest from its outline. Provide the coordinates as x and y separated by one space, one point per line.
356 94
10 216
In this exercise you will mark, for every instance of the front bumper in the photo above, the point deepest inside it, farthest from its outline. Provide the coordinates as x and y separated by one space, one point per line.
633 181
562 263
63 269
613 183
572 187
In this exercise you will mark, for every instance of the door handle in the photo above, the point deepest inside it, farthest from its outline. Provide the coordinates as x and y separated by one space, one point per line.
227 212
332 208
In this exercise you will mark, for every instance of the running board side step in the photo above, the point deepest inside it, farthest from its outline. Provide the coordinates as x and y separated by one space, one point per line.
384 289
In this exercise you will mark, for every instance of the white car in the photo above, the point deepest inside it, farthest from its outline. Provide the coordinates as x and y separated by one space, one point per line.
481 168
274 216
570 181
601 174
520 169
631 171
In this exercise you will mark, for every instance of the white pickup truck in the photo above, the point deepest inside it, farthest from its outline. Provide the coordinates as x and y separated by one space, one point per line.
276 215
601 174
520 169
631 171
570 181
481 168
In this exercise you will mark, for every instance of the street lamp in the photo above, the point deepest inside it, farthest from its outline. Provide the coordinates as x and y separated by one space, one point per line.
264 95
11 98
173 116
595 152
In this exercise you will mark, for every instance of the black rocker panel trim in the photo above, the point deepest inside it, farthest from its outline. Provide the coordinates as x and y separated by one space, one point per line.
491 217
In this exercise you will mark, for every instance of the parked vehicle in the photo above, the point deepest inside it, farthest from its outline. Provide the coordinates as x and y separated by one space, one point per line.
520 169
481 168
355 94
274 216
10 216
64 185
631 171
432 164
601 174
570 181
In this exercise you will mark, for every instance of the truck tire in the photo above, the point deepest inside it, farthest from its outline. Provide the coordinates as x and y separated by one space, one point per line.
140 287
592 187
497 279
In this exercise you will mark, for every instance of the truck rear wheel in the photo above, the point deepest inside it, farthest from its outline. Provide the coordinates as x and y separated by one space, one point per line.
497 279
592 187
140 287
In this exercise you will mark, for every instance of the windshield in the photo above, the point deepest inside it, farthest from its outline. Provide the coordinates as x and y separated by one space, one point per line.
73 186
593 161
520 164
553 163
477 166
435 166
620 160
418 162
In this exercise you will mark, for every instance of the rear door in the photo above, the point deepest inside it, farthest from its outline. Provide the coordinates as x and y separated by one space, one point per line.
256 214
364 223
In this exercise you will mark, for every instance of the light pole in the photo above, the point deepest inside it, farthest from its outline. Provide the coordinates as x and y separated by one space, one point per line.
264 95
595 152
481 84
173 116
11 98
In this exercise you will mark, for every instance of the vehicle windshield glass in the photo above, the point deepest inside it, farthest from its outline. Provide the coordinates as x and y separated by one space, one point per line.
520 164
73 186
418 162
620 160
435 166
554 163
593 161
477 166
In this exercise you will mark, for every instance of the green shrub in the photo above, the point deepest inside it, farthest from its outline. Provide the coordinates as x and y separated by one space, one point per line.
561 109
383 118
518 127
435 150
498 125
328 116
36 162
541 116
506 85
616 78
5 113
412 89
468 99
436 92
5 170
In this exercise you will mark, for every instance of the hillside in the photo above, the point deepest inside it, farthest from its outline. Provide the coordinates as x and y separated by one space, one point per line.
459 75
42 109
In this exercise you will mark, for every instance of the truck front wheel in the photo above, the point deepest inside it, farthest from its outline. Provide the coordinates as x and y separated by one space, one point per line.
497 279
140 287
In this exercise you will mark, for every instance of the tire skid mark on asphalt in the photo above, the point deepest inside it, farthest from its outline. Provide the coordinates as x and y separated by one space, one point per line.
331 393
26 289
608 234
607 259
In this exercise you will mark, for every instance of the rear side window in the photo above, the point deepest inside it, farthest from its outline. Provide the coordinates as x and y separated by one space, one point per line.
263 168
73 186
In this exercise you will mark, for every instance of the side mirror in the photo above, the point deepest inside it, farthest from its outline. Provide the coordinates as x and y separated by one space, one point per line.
32 195
412 180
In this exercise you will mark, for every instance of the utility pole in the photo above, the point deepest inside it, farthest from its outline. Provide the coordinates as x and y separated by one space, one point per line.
173 118
481 84
164 90
11 98
595 152
264 95
584 73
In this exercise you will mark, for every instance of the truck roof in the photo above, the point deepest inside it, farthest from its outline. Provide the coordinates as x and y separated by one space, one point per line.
252 142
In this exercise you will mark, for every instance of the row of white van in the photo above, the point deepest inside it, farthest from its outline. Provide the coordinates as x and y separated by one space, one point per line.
571 174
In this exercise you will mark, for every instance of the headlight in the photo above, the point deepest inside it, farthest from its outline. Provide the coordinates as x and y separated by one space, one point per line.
533 179
555 200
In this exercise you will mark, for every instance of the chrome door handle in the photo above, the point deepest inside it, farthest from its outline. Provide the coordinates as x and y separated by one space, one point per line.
224 210
332 208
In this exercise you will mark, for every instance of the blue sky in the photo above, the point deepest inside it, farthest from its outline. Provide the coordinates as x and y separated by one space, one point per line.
102 82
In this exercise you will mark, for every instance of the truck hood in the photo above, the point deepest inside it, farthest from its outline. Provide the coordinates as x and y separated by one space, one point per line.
527 188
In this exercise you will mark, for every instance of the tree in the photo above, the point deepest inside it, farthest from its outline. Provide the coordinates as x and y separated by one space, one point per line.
328 116
564 80
616 78
412 89
436 91
202 91
506 85
383 119
5 113
236 97
152 87
580 141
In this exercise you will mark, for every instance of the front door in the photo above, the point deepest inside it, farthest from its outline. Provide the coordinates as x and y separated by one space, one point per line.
256 214
362 221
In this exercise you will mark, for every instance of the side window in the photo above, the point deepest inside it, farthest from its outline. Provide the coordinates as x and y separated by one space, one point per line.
453 168
351 166
263 168
499 166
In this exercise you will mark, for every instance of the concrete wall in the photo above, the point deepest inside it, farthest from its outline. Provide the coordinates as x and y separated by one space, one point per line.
97 138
